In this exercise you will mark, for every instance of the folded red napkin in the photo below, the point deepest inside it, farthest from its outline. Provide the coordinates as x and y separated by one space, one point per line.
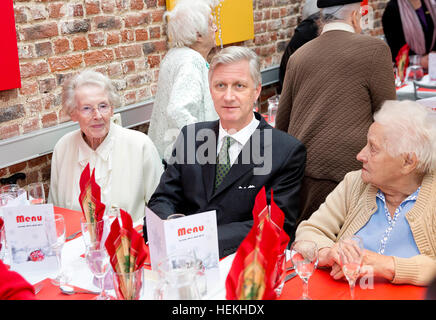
2 223
253 273
127 252
90 202
402 61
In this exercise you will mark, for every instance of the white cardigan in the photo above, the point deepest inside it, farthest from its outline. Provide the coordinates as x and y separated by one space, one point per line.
182 97
128 170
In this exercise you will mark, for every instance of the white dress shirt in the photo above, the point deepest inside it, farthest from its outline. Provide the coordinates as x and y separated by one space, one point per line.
240 138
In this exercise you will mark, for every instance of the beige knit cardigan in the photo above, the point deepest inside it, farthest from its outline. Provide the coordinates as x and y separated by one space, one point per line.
350 206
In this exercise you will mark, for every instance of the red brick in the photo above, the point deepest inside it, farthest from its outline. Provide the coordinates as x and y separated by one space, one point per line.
136 4
135 20
33 69
17 167
127 35
9 131
113 38
108 6
96 39
154 32
92 7
157 16
80 43
153 61
65 62
31 125
49 120
128 66
129 51
141 34
40 31
28 88
61 45
55 10
100 56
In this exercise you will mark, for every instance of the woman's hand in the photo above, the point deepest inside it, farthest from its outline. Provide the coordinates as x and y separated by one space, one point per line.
378 264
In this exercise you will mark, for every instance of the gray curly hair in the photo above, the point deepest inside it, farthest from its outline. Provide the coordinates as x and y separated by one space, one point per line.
87 77
409 128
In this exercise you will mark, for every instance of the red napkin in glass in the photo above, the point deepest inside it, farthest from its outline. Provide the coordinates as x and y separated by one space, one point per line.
90 202
253 272
402 61
127 251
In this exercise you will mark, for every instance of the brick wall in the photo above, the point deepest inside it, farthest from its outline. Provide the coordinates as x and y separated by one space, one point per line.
124 39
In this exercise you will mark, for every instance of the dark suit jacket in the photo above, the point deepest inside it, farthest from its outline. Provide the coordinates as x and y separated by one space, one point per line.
270 158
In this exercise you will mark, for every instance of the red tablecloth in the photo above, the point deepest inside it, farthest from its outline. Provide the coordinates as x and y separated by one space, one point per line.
323 287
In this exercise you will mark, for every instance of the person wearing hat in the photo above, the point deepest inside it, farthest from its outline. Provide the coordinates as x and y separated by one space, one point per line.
332 87
307 30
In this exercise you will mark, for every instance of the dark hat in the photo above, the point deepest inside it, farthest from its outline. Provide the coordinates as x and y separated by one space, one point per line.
331 3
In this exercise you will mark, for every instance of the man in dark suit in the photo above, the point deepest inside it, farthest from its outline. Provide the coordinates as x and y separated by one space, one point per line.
222 165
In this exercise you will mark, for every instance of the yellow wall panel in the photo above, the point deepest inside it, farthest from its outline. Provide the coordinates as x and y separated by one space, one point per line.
234 17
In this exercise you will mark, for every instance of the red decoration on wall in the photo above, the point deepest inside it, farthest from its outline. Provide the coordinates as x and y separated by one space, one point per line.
9 66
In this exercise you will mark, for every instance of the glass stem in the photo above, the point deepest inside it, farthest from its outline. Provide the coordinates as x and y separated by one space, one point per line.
352 285
59 260
101 282
306 289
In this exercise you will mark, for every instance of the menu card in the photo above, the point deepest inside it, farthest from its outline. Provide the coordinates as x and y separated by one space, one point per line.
196 233
27 242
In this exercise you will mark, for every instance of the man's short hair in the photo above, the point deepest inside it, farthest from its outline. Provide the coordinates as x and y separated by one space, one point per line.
234 54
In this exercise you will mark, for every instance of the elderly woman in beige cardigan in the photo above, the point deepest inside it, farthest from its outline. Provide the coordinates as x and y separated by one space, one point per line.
390 202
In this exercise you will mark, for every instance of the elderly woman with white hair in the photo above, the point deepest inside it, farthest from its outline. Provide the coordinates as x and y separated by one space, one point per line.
390 203
127 165
183 95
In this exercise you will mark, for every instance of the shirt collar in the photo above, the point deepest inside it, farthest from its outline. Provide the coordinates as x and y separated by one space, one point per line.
243 135
412 197
342 26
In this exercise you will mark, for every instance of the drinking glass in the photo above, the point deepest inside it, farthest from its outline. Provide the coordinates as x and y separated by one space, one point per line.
98 262
55 231
304 257
175 216
350 256
177 279
93 231
273 105
35 193
129 286
280 273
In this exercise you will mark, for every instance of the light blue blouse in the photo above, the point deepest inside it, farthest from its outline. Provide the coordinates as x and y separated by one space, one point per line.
390 236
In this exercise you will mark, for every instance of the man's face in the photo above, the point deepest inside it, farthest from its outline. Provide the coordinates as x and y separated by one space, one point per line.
234 93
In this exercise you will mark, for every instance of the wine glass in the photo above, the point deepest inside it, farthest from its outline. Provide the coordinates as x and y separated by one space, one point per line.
350 256
304 257
35 193
55 231
175 216
98 262
280 273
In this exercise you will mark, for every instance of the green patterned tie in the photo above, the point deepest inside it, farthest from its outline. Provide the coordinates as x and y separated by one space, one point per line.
223 161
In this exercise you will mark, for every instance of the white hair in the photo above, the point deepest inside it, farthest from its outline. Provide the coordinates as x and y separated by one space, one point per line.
309 8
187 20
409 128
339 13
233 54
87 78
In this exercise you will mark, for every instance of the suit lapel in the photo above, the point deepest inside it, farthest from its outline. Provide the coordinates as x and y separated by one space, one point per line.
208 169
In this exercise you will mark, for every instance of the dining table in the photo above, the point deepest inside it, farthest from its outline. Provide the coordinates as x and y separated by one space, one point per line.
321 285
406 91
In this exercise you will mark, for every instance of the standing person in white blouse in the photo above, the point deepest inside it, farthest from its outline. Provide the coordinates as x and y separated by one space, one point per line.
127 165
183 95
